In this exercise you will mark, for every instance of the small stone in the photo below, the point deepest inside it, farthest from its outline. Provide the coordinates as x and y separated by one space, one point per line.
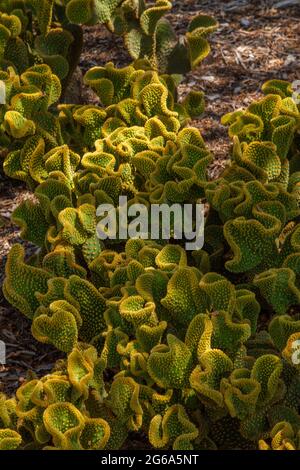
209 78
245 22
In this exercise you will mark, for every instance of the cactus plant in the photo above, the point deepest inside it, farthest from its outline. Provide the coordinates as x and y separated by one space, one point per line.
195 350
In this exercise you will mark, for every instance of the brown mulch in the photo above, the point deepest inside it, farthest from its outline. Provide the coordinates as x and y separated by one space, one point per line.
25 357
255 42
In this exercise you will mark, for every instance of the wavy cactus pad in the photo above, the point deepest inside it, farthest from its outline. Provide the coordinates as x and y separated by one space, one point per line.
9 439
23 282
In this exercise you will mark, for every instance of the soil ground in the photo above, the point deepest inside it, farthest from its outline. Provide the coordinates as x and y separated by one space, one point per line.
255 42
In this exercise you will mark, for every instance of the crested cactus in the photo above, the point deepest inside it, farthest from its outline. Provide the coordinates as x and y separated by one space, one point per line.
181 336
147 34
26 121
137 128
195 350
151 37
274 118
23 45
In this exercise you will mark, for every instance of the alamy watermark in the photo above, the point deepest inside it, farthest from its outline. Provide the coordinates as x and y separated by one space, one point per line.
156 222
2 92
2 353
296 352
296 91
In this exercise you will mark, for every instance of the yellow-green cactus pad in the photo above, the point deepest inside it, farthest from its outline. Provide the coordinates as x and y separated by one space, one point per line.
199 29
170 365
124 401
57 325
9 439
279 289
23 282
173 428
